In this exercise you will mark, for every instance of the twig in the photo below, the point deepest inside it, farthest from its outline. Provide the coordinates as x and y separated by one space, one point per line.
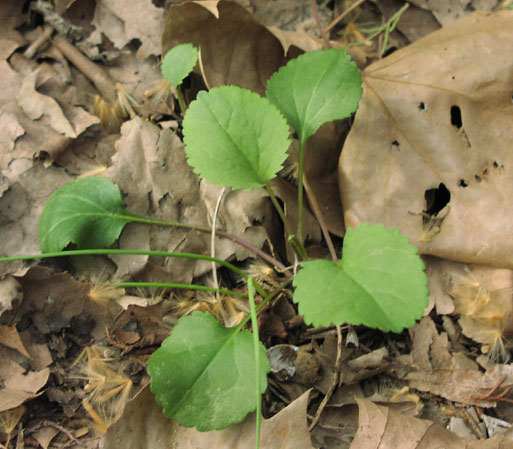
319 26
341 16
64 431
95 73
499 397
334 383
320 218
36 45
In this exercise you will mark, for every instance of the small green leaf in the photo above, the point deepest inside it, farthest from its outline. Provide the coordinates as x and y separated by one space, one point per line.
203 375
88 212
179 62
380 282
315 88
235 138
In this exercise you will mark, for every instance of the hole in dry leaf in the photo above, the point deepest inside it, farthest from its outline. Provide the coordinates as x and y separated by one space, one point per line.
436 199
495 164
453 77
462 183
456 117
511 99
389 51
395 145
478 178
422 106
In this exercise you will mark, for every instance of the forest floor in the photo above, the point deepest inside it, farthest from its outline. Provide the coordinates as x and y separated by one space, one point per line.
83 95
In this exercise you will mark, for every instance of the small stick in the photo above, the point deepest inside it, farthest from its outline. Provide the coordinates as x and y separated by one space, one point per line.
95 73
341 16
318 23
318 214
64 431
40 41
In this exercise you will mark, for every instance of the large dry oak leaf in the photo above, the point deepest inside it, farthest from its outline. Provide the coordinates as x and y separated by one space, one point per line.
435 124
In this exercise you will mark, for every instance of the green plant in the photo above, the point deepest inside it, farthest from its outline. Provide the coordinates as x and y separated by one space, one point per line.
205 375
177 65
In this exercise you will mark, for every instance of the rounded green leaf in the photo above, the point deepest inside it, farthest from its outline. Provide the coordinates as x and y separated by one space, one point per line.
235 138
203 374
315 88
88 212
379 282
178 63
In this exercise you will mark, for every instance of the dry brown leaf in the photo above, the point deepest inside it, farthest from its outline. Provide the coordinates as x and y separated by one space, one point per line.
466 386
20 210
436 269
10 291
292 15
453 376
54 300
25 138
9 337
151 169
45 436
235 48
483 298
18 385
144 425
10 130
435 115
383 428
121 22
35 105
321 155
414 23
447 11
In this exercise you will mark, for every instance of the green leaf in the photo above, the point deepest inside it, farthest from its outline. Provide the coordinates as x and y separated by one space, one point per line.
179 62
203 375
235 138
88 212
315 88
379 282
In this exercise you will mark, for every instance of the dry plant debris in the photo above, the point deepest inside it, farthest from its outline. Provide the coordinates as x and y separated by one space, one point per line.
82 94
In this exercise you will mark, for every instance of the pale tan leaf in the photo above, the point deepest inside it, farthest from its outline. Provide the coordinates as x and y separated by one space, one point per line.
9 337
461 385
123 21
18 385
438 112
447 11
383 428
45 436
35 105
144 425
10 130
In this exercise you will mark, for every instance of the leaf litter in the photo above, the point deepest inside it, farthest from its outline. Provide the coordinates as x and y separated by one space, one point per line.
75 352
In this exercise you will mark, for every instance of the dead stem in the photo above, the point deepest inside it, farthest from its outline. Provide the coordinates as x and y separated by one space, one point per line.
341 16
